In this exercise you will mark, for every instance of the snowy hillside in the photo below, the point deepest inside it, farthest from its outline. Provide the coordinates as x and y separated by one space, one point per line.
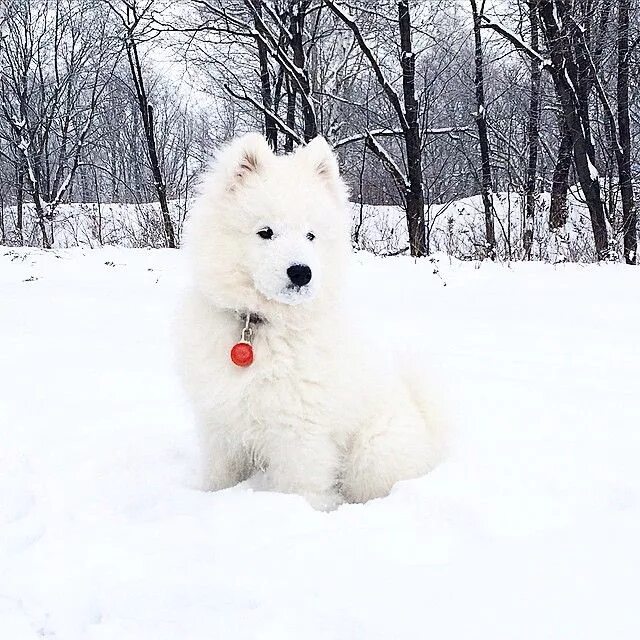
456 228
529 530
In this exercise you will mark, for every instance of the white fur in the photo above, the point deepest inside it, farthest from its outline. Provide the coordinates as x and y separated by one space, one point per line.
319 418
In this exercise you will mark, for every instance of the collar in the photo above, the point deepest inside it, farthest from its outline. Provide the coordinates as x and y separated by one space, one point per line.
254 318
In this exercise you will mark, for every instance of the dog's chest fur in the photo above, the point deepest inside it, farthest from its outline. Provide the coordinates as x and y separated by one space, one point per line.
295 384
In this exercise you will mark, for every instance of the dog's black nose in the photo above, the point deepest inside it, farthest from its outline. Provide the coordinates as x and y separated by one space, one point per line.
299 274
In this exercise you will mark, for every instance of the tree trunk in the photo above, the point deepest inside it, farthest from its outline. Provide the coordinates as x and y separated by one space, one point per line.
481 120
270 126
158 182
567 79
533 135
20 201
291 114
298 17
610 178
99 204
41 218
629 221
114 172
37 201
414 192
406 110
3 235
558 211
584 160
146 111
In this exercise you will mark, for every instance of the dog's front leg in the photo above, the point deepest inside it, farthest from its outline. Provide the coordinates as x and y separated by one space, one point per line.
224 461
306 464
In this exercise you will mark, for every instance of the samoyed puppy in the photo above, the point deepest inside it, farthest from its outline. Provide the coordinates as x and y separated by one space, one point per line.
277 378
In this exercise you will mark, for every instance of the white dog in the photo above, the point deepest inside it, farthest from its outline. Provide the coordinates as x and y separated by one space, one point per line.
269 243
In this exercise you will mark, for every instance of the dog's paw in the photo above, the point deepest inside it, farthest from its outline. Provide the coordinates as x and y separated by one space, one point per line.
210 481
324 501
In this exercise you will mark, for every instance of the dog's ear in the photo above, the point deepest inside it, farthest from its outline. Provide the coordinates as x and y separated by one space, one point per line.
246 155
319 156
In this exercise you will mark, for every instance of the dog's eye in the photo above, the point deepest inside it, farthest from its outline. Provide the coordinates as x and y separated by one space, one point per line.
311 236
266 233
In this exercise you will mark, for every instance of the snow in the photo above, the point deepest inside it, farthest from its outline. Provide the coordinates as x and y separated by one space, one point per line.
516 40
456 227
89 224
593 172
529 530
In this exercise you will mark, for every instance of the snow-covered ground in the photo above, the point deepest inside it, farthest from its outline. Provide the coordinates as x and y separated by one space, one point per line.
529 530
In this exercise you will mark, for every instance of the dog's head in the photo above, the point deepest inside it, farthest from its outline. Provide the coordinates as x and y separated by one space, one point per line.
270 230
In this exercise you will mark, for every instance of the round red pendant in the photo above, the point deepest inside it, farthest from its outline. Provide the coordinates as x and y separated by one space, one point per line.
242 354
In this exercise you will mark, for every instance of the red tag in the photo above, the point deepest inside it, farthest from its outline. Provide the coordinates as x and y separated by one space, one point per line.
242 354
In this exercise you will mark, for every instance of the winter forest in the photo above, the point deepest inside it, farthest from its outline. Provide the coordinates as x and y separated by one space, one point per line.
224 417
504 130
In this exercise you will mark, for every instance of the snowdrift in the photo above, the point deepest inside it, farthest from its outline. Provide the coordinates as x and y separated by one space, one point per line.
529 530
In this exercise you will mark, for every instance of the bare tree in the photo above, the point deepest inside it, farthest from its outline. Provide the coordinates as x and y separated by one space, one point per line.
133 17
558 211
406 112
533 133
573 69
278 36
483 136
629 218
387 82
53 74
266 91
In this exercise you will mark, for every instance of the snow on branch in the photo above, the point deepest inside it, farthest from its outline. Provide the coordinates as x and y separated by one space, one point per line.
275 48
391 165
445 130
515 40
263 33
602 94
363 136
397 133
276 18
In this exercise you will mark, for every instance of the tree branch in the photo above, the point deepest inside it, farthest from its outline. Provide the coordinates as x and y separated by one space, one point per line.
247 98
398 175
393 97
516 41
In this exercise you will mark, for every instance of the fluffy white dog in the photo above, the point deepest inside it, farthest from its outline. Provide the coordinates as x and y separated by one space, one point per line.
269 242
